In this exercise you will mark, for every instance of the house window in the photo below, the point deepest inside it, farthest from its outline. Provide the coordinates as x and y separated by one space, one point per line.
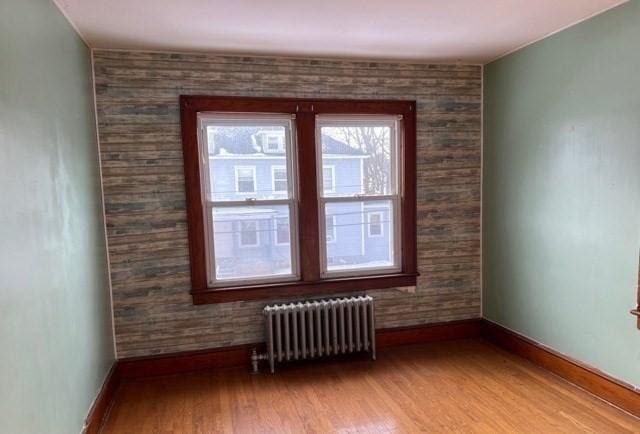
329 179
274 142
375 228
249 236
330 225
232 209
283 233
279 179
245 179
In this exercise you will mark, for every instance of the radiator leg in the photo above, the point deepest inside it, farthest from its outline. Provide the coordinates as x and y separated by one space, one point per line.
372 330
255 361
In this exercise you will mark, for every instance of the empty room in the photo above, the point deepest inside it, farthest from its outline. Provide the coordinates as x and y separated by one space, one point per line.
319 217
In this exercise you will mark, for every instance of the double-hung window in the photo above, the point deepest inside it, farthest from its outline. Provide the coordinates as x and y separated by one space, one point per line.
330 207
368 147
239 224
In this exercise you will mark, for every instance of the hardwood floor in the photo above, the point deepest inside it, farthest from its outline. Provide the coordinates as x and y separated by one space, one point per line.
457 386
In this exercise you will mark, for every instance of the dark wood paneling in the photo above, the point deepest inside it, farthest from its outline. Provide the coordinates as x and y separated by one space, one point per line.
597 382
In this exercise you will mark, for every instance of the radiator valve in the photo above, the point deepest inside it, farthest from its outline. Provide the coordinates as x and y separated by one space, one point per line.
255 360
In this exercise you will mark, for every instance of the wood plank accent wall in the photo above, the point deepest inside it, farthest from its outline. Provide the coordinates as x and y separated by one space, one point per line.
137 99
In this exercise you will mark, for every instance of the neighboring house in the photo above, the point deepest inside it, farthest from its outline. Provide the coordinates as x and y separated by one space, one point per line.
250 163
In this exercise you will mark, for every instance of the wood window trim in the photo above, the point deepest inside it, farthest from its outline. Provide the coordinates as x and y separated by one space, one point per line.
306 111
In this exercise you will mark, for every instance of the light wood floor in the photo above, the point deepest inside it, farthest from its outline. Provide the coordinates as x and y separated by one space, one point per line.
461 386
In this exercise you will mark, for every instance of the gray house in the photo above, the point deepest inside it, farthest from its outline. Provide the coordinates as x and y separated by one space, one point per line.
250 163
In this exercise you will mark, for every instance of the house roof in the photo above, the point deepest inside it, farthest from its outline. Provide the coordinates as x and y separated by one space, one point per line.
243 142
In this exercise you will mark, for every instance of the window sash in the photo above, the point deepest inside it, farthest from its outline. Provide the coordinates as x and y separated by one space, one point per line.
391 122
294 246
395 229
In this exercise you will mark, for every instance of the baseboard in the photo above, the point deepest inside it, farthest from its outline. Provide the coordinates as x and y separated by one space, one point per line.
610 389
239 356
100 409
184 362
425 333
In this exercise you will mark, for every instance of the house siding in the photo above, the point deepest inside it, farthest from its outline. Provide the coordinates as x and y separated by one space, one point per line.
347 246
139 127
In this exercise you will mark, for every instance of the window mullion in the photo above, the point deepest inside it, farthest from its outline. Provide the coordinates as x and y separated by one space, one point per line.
307 173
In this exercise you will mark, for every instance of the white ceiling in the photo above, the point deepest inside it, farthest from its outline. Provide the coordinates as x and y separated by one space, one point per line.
470 31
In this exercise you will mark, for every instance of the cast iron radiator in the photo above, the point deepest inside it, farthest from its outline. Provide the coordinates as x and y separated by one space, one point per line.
318 328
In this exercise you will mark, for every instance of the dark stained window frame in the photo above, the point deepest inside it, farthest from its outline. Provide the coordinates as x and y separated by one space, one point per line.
305 111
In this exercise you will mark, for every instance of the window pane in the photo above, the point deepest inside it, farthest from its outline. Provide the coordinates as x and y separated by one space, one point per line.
246 245
242 156
352 249
363 157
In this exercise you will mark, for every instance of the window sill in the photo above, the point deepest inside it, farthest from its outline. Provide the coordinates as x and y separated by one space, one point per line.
279 290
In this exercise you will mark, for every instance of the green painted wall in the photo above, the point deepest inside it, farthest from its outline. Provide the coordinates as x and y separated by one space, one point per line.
561 191
55 327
